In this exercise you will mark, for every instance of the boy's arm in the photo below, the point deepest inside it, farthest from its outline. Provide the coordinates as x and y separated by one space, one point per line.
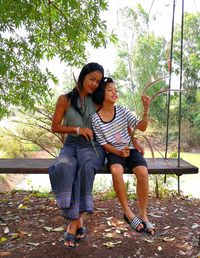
124 153
142 125
135 142
137 145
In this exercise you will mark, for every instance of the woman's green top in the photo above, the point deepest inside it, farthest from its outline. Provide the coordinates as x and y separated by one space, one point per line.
73 118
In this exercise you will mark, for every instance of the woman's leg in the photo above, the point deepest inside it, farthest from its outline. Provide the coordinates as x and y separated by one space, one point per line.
88 164
120 189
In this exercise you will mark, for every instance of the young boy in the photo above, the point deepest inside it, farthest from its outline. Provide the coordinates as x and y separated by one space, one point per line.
110 124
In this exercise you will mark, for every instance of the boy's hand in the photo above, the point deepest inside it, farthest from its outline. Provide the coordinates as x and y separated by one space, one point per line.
125 152
138 146
146 102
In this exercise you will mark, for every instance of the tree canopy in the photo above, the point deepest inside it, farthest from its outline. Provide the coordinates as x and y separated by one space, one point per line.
35 30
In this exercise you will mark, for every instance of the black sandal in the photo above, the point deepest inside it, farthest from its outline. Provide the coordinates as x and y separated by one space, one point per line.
81 233
150 228
70 239
134 223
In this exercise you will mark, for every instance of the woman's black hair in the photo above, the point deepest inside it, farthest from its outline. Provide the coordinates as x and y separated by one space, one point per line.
98 95
74 94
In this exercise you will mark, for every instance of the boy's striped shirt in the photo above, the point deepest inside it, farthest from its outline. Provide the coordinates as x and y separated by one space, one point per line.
114 132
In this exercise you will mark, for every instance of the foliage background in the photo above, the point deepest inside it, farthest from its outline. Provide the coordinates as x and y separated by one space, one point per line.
38 30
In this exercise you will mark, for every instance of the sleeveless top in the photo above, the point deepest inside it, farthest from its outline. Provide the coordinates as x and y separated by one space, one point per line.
73 118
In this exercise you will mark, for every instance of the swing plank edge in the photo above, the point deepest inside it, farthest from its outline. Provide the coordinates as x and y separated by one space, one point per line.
40 166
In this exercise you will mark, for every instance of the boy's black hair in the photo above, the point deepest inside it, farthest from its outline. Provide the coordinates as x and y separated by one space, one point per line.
74 94
98 95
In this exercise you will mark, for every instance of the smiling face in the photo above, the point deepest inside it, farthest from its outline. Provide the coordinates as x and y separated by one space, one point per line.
91 82
111 93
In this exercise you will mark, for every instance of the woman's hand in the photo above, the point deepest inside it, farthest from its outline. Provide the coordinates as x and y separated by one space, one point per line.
86 132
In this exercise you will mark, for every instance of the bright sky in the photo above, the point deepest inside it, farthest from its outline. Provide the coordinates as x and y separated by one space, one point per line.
161 26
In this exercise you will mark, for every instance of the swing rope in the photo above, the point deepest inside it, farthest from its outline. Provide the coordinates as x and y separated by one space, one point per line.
180 94
170 72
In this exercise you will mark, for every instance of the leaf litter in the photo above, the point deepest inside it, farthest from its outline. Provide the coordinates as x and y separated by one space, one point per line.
39 232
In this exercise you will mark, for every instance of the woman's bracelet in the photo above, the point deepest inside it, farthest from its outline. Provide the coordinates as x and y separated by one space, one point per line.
78 130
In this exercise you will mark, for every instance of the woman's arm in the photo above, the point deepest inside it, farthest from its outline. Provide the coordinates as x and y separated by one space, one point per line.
62 105
57 127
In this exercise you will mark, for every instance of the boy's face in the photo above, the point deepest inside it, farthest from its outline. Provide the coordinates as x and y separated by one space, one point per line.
111 93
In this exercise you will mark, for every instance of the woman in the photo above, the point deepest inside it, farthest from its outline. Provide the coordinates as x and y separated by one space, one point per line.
110 124
73 173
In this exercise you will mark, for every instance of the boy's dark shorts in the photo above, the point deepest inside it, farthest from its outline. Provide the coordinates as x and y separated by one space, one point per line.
135 159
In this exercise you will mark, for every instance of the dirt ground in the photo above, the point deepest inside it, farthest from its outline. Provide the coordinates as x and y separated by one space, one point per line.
31 226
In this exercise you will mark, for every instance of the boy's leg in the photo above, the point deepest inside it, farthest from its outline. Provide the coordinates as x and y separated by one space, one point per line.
141 174
142 190
120 189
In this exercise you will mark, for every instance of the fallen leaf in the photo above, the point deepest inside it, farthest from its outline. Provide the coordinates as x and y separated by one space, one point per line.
168 239
33 244
155 216
139 251
112 244
3 239
14 235
6 230
22 207
59 229
195 225
127 234
109 235
3 254
182 252
101 209
109 218
109 223
108 229
3 224
48 228
148 240
123 229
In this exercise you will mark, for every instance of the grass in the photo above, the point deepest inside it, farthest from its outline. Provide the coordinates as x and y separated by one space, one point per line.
28 146
189 183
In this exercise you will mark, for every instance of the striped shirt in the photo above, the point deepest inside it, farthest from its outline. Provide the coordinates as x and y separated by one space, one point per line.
114 132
